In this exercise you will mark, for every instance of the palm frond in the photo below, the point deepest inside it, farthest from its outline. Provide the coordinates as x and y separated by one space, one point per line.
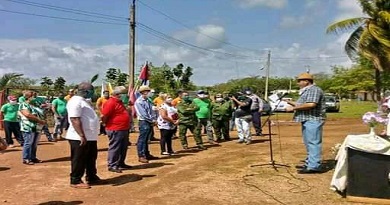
381 35
369 7
345 25
352 44
384 16
94 78
7 78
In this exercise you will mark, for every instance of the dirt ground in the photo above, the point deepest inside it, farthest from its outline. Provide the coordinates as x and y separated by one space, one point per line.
220 175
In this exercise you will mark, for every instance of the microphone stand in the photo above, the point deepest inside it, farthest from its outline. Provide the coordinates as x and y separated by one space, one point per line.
272 161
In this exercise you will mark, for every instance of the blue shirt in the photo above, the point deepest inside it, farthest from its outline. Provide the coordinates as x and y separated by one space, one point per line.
311 94
144 110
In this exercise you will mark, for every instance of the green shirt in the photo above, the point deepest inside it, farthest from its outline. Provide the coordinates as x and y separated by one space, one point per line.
125 99
21 99
10 112
60 105
27 125
204 108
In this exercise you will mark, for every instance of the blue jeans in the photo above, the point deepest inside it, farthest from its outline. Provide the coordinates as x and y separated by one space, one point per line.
145 130
312 138
30 145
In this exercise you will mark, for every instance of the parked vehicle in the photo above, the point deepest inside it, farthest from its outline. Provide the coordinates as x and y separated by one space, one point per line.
332 103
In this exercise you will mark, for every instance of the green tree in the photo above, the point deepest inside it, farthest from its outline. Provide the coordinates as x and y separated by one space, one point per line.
22 83
59 84
7 78
371 34
370 37
122 79
46 84
112 75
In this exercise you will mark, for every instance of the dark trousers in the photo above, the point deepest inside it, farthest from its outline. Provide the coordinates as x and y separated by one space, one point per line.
45 130
221 128
83 160
256 121
117 147
102 129
166 140
12 128
145 130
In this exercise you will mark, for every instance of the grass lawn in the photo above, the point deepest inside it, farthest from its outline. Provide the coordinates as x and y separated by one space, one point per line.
349 109
354 109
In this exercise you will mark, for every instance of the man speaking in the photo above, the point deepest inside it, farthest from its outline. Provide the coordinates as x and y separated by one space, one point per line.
310 112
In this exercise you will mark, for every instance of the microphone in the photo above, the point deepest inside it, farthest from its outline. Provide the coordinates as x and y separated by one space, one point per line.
282 96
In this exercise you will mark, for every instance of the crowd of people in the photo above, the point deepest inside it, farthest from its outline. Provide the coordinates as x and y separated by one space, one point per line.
113 116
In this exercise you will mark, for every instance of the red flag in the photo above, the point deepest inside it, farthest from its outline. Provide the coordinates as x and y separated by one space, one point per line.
144 75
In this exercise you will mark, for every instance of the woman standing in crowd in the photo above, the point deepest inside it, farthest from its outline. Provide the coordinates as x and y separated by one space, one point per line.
167 121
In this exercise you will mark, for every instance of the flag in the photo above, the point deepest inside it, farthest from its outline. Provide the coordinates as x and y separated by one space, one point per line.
144 75
106 86
132 98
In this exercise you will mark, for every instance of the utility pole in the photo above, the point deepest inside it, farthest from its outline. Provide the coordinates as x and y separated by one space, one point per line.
132 45
307 68
267 75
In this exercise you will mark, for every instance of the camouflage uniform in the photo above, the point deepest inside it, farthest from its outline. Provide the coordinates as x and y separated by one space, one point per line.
188 120
221 114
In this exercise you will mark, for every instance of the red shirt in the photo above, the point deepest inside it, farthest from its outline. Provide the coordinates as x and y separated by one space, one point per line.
117 116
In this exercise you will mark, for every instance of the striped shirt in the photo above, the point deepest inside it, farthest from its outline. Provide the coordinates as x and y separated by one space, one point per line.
311 94
144 110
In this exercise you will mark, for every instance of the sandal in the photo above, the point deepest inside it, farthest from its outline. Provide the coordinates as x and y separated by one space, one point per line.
28 162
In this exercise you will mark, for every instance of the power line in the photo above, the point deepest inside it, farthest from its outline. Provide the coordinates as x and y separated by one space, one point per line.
189 28
69 10
189 44
62 18
150 30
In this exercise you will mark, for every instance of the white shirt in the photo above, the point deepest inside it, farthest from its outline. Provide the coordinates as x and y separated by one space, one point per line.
78 107
172 113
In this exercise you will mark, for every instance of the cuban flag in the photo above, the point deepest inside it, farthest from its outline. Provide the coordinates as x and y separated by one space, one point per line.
144 75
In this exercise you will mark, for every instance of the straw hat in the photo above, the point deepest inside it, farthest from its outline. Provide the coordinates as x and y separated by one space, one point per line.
305 76
144 88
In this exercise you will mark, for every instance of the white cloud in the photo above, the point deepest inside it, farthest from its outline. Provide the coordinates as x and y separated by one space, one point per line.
275 4
208 36
348 9
39 57
294 21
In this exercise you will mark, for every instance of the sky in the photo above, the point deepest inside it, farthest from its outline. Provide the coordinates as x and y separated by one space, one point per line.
219 39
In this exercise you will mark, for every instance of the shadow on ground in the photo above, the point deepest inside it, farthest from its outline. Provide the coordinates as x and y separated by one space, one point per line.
61 203
61 159
150 165
122 179
4 168
176 156
328 165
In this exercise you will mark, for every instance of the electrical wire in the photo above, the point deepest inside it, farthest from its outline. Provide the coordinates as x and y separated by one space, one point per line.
68 10
189 44
62 18
151 30
194 30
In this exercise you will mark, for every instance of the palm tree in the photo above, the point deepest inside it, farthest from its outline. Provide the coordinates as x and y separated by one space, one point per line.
370 37
7 78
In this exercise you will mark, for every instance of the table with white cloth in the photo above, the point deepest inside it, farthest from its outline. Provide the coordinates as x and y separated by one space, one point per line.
369 143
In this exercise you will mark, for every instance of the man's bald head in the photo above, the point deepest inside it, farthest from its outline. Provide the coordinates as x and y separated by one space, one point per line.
83 88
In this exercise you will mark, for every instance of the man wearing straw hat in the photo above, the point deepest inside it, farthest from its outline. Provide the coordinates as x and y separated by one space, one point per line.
310 112
147 119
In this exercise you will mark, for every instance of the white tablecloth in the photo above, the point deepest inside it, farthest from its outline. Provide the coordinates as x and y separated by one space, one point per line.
366 143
